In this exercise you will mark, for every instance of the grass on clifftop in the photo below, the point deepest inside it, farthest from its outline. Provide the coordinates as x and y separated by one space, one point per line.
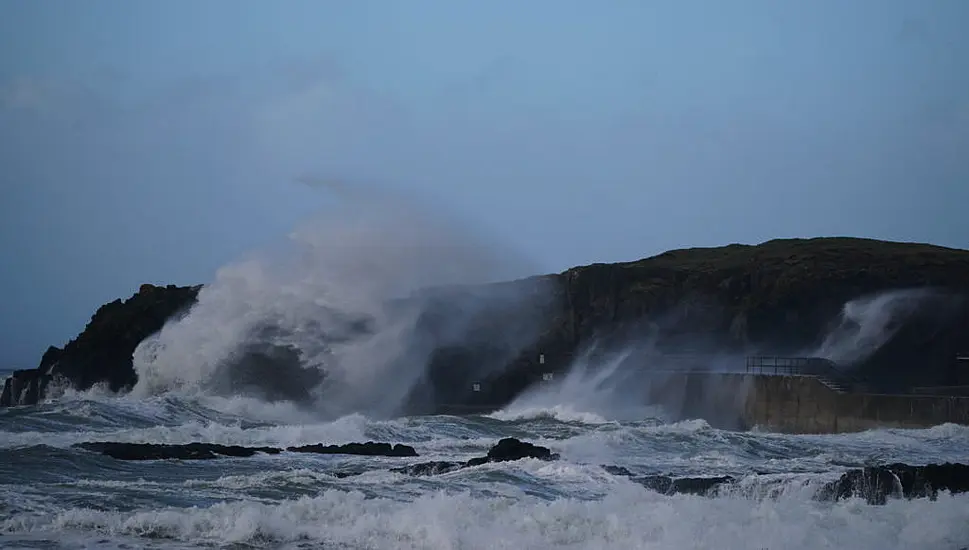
843 251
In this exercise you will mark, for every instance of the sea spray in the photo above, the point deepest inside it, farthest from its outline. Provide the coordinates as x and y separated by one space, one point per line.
334 316
633 380
592 390
867 323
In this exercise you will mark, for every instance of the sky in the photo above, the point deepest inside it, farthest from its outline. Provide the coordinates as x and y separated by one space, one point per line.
155 141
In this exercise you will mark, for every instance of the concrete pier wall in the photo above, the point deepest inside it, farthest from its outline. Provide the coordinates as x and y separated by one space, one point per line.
802 404
796 404
779 403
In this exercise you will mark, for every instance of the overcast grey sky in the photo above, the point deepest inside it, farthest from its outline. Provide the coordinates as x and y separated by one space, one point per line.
155 141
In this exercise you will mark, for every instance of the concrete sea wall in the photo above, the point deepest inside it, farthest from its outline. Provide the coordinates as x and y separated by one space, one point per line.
795 404
802 404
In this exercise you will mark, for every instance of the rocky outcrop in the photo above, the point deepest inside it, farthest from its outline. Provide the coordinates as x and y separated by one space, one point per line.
877 484
505 450
874 484
188 451
366 449
508 449
208 451
102 352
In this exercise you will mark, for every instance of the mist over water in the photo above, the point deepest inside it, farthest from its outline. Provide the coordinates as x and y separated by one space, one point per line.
593 390
332 316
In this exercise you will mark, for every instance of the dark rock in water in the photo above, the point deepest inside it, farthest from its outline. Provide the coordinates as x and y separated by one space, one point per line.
671 485
206 451
430 468
505 450
510 448
876 484
190 451
24 387
102 353
689 485
617 470
369 448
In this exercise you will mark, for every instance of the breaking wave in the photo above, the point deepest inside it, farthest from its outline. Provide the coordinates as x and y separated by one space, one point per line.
341 316
628 517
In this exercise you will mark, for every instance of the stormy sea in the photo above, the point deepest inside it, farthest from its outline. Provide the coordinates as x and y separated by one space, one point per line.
55 495
604 488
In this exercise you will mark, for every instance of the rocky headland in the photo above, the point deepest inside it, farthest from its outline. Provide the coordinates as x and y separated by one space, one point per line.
780 297
102 352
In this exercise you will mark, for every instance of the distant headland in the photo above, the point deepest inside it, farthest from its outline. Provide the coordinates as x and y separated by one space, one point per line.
894 313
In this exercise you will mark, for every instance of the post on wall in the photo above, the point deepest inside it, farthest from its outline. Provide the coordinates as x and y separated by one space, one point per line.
960 370
546 376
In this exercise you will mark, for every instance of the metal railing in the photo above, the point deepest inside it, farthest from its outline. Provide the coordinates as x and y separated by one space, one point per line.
819 367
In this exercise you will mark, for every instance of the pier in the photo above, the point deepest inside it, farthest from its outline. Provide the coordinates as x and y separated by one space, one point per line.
773 393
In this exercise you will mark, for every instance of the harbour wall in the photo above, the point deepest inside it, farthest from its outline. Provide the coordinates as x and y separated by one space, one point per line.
795 404
785 403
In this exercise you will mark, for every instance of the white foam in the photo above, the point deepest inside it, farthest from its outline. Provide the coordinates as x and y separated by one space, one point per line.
562 413
628 517
344 430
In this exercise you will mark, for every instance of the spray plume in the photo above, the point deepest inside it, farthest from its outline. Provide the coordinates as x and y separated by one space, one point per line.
333 316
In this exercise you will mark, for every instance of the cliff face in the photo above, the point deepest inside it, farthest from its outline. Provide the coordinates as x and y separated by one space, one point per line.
780 297
103 351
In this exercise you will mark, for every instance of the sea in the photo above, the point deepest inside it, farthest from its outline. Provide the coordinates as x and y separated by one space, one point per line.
54 495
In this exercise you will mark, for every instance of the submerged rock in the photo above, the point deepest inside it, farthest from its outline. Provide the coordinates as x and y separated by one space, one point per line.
877 484
505 450
669 485
369 448
188 451
206 451
433 468
688 485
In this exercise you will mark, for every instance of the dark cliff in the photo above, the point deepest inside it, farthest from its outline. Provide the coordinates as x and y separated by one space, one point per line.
779 297
102 352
